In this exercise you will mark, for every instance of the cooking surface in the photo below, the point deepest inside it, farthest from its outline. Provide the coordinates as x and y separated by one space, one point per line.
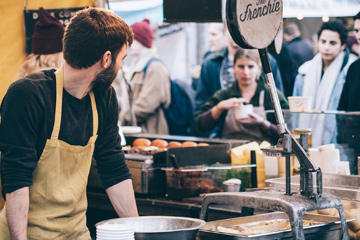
324 226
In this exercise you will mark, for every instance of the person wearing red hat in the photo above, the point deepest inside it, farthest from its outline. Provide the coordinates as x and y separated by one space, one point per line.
54 123
149 83
47 47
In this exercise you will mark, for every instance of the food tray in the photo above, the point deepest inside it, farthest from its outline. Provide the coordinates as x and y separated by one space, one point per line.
344 187
328 228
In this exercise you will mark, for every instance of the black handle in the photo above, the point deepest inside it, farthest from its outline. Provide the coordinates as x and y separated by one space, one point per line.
173 161
254 182
265 61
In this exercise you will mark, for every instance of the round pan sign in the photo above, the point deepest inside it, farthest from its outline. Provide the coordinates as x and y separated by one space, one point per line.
254 23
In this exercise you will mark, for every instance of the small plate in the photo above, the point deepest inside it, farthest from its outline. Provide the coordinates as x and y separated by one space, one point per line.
130 129
117 227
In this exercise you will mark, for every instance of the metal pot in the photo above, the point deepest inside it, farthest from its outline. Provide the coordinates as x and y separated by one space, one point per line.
161 227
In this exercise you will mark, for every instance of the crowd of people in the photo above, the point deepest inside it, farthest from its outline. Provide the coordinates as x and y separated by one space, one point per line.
143 86
219 85
69 115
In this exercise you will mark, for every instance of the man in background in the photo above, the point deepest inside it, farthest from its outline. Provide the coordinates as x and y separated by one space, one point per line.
301 50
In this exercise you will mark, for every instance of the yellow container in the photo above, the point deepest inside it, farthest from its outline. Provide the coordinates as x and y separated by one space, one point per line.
241 156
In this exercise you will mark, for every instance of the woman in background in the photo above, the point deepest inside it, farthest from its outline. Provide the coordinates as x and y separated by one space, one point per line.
249 87
47 46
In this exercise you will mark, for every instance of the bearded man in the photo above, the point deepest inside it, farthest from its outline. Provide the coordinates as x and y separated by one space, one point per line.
53 123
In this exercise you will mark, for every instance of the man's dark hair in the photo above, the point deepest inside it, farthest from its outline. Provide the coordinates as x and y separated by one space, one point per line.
92 32
335 26
291 28
357 16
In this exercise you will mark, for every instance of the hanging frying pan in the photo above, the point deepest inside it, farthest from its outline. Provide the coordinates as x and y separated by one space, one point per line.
255 24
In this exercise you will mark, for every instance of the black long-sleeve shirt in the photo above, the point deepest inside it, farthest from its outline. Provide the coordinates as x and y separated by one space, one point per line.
349 100
27 120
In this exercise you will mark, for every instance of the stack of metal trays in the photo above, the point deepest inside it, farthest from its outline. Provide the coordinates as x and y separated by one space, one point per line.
323 228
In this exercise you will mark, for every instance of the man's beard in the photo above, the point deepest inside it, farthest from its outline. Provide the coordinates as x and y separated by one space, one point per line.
105 78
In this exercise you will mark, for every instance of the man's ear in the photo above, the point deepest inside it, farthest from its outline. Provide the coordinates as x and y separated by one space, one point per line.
106 59
343 47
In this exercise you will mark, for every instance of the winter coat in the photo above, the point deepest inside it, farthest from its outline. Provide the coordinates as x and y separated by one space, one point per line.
149 93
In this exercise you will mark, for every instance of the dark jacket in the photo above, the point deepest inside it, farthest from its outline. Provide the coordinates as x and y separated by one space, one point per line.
349 100
301 50
210 82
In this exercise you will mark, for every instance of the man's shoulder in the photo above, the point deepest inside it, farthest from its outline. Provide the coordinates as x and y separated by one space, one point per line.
107 97
33 82
355 66
300 44
216 56
353 72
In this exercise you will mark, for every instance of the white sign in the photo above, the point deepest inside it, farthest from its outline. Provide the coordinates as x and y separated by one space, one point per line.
320 8
259 21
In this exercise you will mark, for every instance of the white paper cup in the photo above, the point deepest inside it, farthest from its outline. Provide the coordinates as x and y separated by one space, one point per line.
300 104
243 111
271 167
343 168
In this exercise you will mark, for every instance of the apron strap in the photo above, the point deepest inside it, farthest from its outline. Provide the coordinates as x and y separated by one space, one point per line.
95 113
58 107
261 98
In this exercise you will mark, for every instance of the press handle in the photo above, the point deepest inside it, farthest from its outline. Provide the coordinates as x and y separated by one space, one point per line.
173 161
215 198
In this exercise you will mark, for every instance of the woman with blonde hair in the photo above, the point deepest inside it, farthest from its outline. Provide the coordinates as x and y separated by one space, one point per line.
248 88
46 45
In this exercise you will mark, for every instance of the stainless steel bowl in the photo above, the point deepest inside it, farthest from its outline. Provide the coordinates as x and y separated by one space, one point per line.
161 227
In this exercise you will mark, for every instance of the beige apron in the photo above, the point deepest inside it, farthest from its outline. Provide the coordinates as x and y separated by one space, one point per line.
233 130
58 194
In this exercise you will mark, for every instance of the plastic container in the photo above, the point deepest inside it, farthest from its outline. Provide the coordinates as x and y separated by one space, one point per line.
212 180
182 183
300 104
243 111
231 185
